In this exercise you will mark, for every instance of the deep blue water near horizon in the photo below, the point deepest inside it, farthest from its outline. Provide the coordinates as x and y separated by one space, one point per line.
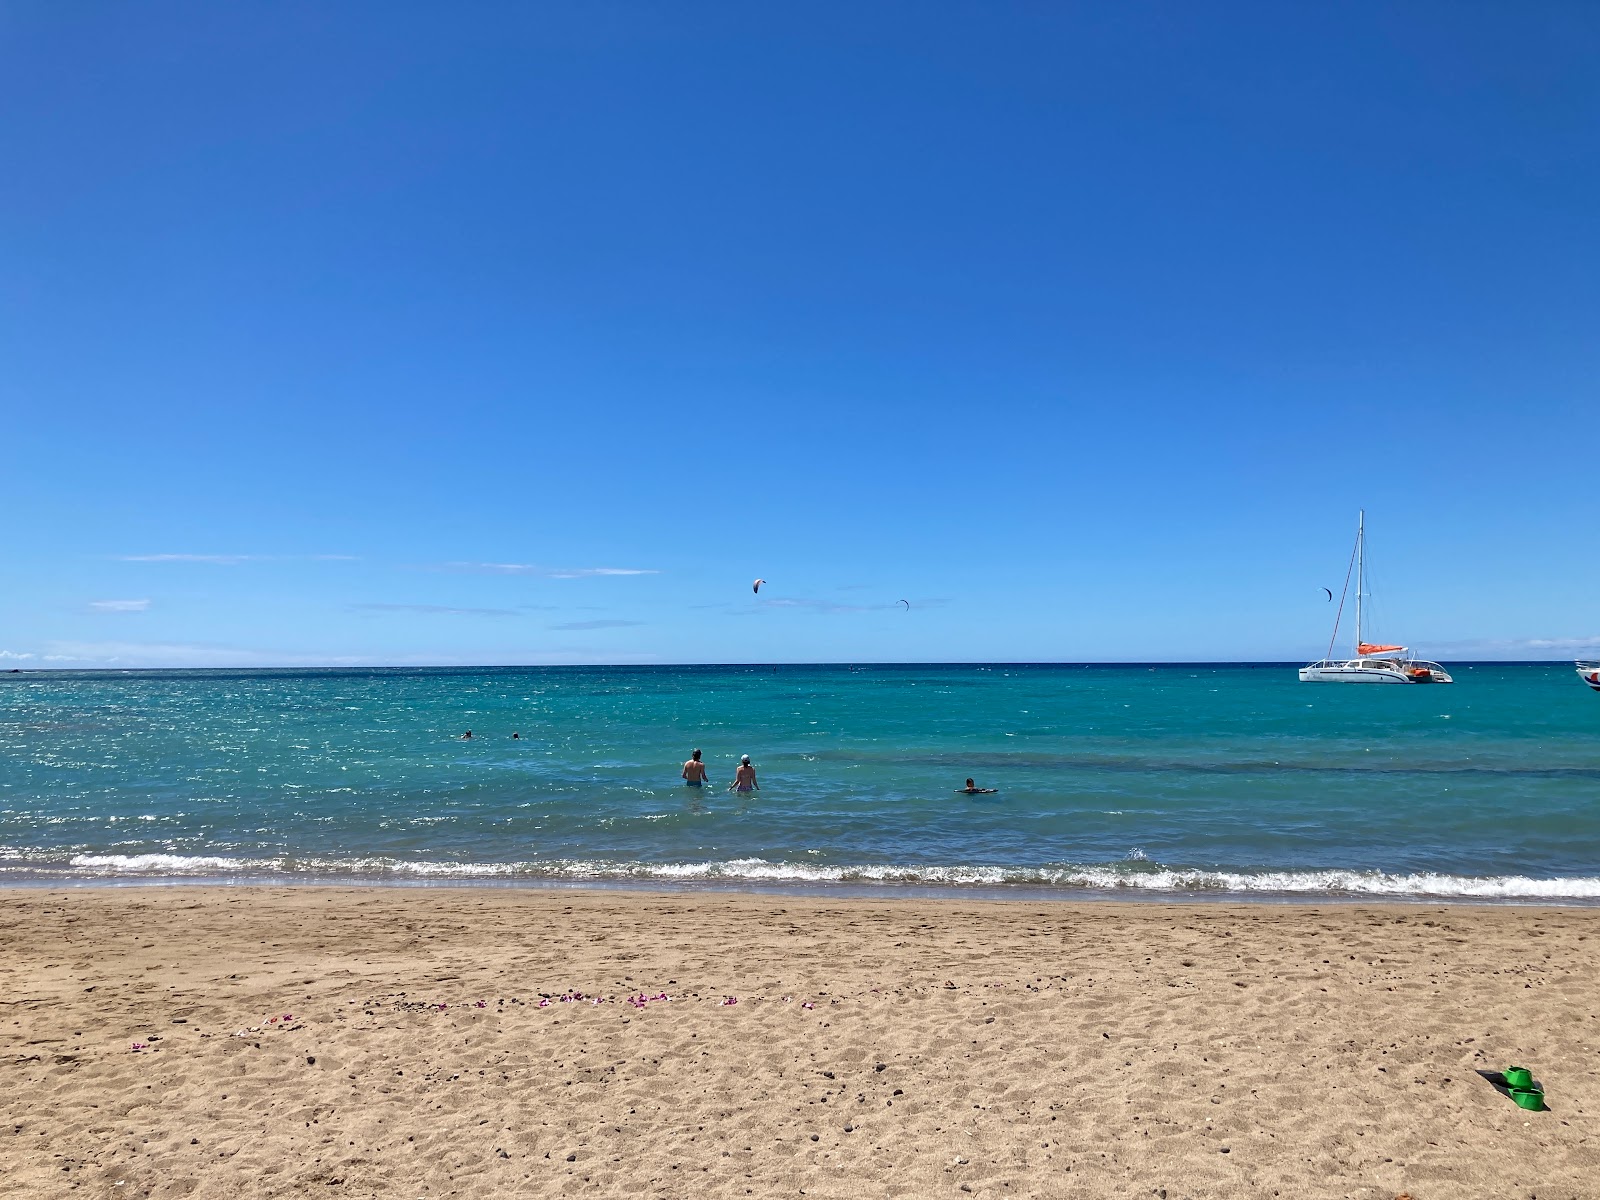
1133 779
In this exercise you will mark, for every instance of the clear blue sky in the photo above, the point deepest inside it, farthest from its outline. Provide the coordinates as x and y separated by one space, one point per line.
1085 328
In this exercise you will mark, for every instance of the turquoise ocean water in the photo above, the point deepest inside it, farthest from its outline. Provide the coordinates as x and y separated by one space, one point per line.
1143 780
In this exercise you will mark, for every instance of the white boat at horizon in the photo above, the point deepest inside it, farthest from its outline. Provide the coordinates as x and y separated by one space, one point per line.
1372 663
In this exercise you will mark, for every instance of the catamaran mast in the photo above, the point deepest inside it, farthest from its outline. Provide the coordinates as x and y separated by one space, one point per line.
1361 571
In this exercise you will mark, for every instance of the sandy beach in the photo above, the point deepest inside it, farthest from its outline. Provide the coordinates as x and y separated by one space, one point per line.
382 1042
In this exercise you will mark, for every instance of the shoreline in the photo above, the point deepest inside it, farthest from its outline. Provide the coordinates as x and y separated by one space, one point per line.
475 1041
817 889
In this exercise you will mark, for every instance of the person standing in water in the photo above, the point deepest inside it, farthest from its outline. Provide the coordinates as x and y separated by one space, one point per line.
694 771
744 779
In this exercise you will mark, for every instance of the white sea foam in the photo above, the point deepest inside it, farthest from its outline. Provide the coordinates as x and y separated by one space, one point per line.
162 864
1133 876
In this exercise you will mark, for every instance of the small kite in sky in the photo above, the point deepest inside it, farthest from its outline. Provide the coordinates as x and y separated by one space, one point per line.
907 603
1330 594
756 586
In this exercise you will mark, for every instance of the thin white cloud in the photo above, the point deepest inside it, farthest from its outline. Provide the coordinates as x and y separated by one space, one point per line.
765 605
178 655
835 608
534 569
231 560
149 654
217 560
155 655
571 626
1537 647
826 606
489 568
748 607
120 606
438 610
587 572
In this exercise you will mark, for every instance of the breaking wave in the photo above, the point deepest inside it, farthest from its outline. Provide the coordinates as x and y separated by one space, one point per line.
1131 876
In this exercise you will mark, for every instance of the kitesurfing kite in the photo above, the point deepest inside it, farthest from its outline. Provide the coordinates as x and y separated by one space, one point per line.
907 603
1330 594
756 586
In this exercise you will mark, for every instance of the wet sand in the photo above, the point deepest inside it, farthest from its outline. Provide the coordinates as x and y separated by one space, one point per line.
391 1043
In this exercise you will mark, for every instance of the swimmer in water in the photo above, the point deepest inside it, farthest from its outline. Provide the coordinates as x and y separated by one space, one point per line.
516 737
973 789
694 771
467 736
744 779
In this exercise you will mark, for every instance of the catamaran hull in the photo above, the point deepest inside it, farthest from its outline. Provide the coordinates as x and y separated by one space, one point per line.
1309 675
1372 673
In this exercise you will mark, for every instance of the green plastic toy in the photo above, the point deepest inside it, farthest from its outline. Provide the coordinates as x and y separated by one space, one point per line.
1531 1099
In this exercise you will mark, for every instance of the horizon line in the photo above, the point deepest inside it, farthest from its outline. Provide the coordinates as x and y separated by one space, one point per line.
661 666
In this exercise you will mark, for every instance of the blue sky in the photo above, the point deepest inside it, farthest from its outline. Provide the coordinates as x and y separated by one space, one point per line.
504 333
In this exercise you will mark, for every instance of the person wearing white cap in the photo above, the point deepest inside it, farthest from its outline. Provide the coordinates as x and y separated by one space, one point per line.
744 779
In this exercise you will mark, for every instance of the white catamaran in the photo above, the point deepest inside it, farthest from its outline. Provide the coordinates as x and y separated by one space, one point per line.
1372 663
1589 672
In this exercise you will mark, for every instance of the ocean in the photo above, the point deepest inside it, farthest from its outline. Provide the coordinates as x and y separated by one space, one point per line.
1180 780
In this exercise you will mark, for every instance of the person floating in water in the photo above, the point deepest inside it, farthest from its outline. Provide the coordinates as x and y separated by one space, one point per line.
467 736
973 789
694 771
516 737
744 779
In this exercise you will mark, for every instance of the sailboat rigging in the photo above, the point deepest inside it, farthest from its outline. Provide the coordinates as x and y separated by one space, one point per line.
1373 662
